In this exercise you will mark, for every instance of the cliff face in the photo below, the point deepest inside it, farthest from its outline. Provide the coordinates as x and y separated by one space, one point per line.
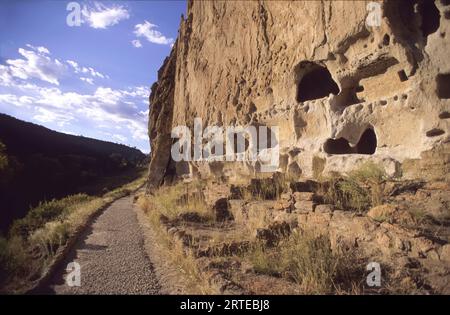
341 91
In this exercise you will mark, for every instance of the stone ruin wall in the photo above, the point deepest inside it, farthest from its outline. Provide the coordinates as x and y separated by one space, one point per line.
341 92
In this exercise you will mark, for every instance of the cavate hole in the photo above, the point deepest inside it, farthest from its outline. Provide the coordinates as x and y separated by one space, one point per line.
447 15
402 75
444 115
315 82
367 144
386 40
359 89
445 2
443 86
434 132
337 146
383 103
430 17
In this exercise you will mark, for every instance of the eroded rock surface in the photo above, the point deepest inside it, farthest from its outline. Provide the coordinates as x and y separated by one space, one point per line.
342 92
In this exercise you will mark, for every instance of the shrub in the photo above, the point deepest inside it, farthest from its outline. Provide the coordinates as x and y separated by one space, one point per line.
13 258
308 260
171 201
360 190
45 212
347 194
267 187
50 237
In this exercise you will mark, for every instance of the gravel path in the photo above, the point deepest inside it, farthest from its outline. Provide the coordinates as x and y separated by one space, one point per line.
111 255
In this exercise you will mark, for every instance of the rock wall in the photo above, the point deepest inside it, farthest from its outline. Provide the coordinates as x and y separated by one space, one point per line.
341 92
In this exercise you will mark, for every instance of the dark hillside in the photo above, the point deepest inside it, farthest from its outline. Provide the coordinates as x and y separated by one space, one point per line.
42 164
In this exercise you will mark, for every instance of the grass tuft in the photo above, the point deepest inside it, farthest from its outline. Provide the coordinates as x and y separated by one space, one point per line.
360 190
308 260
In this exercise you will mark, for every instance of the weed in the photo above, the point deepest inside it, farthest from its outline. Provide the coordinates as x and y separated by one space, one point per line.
360 190
308 260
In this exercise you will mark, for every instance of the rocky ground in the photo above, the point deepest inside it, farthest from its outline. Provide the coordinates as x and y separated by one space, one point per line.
111 255
407 234
254 239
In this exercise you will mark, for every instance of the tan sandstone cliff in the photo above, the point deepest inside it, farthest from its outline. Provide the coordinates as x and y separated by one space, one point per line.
341 91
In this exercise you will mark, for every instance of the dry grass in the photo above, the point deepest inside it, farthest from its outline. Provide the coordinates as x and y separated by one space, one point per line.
166 202
360 190
307 259
34 241
171 201
263 187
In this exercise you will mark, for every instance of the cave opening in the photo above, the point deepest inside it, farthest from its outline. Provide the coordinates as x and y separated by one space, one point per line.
443 86
402 76
435 132
430 17
337 146
316 83
367 144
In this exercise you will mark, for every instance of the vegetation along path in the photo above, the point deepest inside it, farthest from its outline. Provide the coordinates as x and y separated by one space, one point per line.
111 255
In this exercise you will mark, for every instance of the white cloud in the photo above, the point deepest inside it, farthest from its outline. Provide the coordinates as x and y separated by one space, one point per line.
37 64
16 101
39 49
147 30
87 80
74 65
120 138
144 113
6 79
44 115
136 43
106 107
121 111
86 70
102 17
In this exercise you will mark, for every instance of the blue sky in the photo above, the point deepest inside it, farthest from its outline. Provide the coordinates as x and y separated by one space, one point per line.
92 79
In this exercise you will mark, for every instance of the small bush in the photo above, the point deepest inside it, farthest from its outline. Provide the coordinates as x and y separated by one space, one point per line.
51 237
348 194
359 191
13 258
171 201
45 212
264 188
308 260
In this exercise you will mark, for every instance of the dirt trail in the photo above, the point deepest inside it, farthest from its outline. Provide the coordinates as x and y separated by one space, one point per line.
111 255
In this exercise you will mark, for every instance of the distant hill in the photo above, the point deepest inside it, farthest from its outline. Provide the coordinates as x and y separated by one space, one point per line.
41 164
